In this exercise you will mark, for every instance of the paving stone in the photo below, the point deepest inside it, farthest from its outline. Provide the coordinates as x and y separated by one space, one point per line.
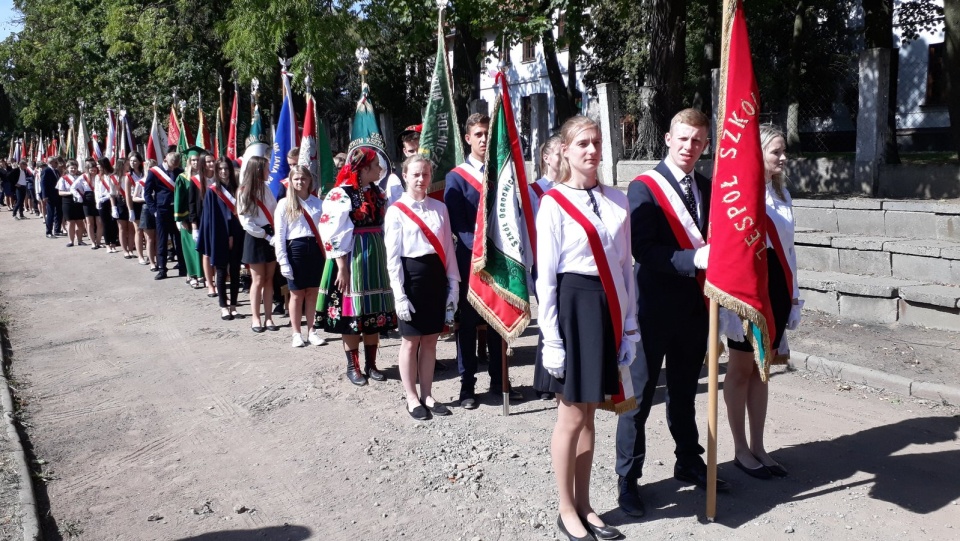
937 295
917 225
821 281
860 222
932 317
820 301
821 219
868 309
815 203
858 242
924 247
813 238
818 258
926 269
865 262
948 228
865 204
950 253
872 286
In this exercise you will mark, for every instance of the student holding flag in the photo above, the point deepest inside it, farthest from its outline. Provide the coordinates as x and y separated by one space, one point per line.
744 389
256 207
222 235
420 256
585 287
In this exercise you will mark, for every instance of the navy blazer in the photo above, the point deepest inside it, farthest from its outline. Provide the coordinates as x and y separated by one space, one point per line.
666 278
462 200
156 194
48 185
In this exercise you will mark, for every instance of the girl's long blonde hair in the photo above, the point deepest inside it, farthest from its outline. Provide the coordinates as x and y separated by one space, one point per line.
294 208
768 134
252 185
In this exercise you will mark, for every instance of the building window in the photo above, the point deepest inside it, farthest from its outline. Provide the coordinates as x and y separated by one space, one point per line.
529 50
936 80
561 32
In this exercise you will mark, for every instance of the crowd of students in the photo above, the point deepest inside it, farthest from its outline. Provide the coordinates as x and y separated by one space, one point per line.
617 284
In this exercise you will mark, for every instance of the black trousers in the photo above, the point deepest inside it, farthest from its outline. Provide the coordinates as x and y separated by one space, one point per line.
683 344
167 228
467 340
111 231
21 197
233 267
54 220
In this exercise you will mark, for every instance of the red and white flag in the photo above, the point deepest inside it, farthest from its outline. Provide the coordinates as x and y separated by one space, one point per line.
232 129
157 144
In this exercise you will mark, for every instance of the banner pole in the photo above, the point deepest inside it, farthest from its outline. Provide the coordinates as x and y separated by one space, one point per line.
505 383
713 376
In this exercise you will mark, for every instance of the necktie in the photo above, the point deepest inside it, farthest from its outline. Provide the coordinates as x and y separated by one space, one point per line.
686 183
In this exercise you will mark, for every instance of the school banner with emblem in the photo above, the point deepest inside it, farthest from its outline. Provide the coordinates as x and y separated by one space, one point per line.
503 248
736 274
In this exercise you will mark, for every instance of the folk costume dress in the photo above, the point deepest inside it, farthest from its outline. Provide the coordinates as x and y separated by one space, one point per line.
418 264
181 213
352 225
575 314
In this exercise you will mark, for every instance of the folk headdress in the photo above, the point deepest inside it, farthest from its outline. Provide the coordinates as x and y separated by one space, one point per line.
359 158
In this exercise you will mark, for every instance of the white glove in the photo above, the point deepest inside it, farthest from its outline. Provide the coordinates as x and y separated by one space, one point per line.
628 350
286 271
269 239
796 314
179 226
196 236
115 212
553 358
701 256
730 325
405 310
453 295
448 316
784 348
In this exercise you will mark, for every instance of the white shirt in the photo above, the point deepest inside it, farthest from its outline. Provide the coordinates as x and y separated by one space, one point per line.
335 225
781 212
297 229
404 238
81 186
63 185
393 188
254 221
102 192
136 187
23 178
545 185
678 176
562 247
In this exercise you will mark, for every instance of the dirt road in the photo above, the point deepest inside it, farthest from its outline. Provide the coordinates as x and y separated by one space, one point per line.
157 420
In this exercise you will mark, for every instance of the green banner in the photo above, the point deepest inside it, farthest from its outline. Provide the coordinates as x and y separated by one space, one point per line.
440 139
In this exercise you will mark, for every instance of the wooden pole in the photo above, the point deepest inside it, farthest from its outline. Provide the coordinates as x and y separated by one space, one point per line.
713 376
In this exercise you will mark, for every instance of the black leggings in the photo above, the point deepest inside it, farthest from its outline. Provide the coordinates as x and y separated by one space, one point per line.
233 266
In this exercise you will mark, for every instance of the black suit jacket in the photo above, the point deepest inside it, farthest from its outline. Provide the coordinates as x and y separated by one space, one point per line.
667 284
48 185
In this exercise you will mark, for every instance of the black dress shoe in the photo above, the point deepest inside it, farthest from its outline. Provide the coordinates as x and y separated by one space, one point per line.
257 329
570 536
760 472
514 394
697 475
468 403
629 498
777 470
420 413
160 276
439 409
601 532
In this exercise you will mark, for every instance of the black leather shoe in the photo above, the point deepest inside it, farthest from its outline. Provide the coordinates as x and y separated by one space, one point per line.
468 403
629 498
760 472
777 470
514 394
697 475
373 373
160 276
439 409
420 413
570 537
601 532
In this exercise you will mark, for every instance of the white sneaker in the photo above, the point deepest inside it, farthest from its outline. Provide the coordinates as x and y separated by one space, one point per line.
298 341
316 340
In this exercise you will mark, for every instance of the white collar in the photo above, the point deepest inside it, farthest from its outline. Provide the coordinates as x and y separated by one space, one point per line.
678 173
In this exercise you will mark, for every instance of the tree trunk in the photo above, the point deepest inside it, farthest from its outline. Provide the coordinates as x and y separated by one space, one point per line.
878 34
562 103
665 71
951 63
702 100
793 81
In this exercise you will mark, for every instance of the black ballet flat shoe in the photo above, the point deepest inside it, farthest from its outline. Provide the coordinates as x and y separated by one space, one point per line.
227 317
256 329
757 473
439 409
601 532
419 413
272 327
777 470
571 537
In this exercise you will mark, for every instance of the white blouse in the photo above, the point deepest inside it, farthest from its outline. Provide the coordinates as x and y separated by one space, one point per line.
137 187
101 192
255 220
781 212
335 225
65 182
80 187
545 185
393 188
404 238
297 229
562 247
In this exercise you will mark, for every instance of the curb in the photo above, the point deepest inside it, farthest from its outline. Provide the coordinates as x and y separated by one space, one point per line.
29 519
874 378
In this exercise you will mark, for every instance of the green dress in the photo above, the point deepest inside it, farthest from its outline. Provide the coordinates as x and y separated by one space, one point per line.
181 213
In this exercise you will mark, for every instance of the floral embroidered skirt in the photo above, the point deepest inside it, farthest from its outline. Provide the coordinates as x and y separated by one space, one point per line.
369 308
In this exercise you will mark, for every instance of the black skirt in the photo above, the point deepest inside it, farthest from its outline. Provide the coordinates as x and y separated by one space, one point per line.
148 220
137 213
71 209
425 284
780 302
587 332
306 261
123 213
257 250
90 209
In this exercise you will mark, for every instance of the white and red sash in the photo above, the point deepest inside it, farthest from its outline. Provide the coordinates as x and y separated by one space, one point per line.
537 190
227 199
431 237
471 174
266 212
103 182
86 183
613 287
682 224
195 179
119 185
164 177
69 180
311 223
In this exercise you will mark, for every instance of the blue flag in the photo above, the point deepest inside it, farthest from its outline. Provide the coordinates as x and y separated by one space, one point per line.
284 140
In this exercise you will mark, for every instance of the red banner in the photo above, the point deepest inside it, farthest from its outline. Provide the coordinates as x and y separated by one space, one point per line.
737 268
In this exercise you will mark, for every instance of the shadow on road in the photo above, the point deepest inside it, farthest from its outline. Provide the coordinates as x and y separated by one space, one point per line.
284 533
903 475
